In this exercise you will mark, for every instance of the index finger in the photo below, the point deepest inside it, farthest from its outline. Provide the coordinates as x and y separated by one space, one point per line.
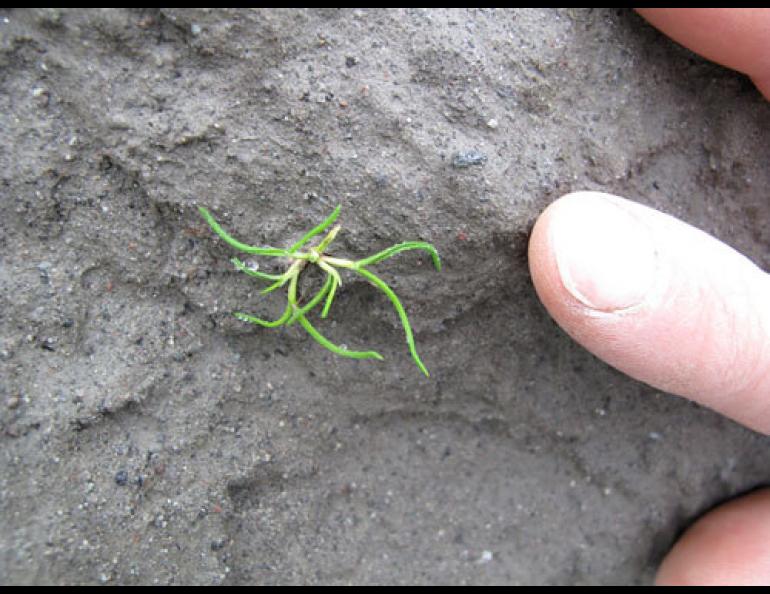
658 299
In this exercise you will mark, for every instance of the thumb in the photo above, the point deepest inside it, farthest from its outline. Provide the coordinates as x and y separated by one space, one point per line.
738 38
727 547
659 300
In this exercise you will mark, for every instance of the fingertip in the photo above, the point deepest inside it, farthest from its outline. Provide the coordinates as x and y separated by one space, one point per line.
658 299
604 254
727 546
734 37
762 82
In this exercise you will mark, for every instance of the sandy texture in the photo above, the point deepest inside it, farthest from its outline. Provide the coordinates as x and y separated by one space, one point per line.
150 437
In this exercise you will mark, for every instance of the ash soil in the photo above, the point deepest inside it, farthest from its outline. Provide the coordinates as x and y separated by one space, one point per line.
149 437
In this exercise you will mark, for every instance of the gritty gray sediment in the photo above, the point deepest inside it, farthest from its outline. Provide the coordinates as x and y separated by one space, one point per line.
149 437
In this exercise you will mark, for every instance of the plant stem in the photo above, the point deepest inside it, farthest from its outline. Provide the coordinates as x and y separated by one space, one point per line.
313 302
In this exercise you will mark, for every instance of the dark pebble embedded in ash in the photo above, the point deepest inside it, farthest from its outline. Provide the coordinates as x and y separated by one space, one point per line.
468 159
48 344
121 478
218 545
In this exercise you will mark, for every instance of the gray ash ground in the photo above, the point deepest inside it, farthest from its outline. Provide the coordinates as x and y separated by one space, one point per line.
149 437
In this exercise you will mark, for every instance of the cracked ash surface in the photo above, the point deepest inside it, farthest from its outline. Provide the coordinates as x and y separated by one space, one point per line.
149 437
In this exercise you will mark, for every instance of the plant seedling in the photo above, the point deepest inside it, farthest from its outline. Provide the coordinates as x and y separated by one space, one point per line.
300 256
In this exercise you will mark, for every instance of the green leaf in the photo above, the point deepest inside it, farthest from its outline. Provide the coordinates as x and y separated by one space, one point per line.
402 247
241 247
276 285
313 302
316 230
292 274
329 298
255 273
326 343
265 323
382 286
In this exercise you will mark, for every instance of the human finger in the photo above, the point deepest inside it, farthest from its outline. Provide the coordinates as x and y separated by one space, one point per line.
727 546
658 299
738 38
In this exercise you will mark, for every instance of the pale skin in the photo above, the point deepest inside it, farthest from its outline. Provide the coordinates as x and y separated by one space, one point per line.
675 308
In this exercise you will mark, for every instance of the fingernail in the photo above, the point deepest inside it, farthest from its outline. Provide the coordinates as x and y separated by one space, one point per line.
605 255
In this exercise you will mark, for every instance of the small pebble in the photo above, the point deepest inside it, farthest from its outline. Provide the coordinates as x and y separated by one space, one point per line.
467 159
486 557
218 545
41 96
121 478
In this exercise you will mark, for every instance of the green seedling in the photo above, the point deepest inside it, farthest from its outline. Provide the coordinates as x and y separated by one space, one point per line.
300 256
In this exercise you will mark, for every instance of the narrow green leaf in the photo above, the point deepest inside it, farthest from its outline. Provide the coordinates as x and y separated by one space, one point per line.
331 271
329 298
326 343
382 286
266 323
313 302
292 274
316 230
402 247
276 285
255 273
242 247
326 241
